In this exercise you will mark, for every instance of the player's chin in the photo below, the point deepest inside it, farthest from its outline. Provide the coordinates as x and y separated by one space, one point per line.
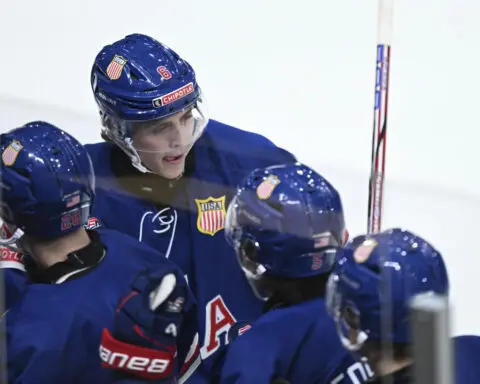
171 169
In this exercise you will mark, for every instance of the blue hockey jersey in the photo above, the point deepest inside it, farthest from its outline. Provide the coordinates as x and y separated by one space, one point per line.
467 355
299 344
188 227
15 282
54 332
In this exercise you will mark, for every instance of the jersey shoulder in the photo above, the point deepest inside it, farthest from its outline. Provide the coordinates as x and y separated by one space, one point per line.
225 132
273 343
242 151
125 246
100 155
96 150
282 330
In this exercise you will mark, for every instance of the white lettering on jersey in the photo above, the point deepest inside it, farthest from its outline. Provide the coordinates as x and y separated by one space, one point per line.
162 222
218 320
357 373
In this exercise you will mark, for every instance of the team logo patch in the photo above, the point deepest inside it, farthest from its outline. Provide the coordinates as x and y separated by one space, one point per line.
364 250
115 68
266 188
211 215
9 155
92 223
173 96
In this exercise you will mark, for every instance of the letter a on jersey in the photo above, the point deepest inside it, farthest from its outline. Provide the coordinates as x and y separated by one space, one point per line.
211 215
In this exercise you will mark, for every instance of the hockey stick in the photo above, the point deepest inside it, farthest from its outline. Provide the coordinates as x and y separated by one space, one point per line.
378 157
379 135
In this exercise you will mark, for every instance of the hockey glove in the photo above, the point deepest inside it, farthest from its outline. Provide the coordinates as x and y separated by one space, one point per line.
142 341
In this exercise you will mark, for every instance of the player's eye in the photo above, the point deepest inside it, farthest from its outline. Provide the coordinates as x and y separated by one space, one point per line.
188 116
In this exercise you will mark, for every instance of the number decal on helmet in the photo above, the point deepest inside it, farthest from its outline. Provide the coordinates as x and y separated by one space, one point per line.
164 72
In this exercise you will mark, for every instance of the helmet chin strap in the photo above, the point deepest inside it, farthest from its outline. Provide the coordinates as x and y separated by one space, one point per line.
137 162
126 144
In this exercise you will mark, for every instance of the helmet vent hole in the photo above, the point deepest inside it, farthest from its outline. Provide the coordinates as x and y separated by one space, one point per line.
134 77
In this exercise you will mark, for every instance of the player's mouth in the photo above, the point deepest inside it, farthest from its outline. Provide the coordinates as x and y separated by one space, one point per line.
173 159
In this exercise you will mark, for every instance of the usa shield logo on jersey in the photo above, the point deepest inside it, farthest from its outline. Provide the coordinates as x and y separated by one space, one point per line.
211 215
114 69
267 186
9 155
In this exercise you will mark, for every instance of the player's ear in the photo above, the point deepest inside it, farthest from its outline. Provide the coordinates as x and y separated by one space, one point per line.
346 236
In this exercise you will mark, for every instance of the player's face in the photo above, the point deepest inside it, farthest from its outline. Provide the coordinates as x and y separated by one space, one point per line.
164 144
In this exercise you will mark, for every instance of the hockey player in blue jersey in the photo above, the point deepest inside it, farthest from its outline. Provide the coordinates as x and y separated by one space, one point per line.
285 224
166 174
77 277
405 265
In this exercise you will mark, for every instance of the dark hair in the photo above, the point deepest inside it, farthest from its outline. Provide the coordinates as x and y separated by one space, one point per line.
286 292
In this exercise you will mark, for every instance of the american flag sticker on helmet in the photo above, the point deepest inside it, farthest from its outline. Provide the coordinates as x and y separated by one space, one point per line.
267 186
211 215
114 69
72 200
9 155
364 250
